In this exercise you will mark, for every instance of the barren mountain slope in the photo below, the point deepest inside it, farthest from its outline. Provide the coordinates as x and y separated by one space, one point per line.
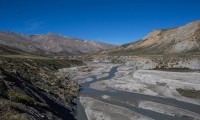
51 43
185 39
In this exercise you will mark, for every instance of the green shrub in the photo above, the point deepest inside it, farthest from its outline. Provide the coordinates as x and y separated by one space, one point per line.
12 116
20 97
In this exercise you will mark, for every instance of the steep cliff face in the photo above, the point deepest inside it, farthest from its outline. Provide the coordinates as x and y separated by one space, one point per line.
51 44
180 40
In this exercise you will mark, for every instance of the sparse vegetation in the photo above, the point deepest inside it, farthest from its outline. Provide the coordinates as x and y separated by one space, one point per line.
86 69
13 116
176 69
29 87
8 111
20 97
189 93
117 62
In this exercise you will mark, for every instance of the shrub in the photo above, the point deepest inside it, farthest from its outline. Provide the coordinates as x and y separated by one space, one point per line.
20 97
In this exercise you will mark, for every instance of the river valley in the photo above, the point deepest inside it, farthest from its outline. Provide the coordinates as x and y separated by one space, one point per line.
120 92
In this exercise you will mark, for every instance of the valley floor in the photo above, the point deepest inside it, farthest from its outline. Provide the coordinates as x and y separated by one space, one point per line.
119 92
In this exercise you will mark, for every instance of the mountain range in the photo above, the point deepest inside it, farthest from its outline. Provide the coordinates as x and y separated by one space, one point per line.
33 86
51 43
179 40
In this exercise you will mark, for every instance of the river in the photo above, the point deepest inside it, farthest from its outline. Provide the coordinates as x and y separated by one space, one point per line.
123 99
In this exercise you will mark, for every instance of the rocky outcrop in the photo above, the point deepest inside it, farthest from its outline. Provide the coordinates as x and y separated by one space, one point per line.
151 62
166 63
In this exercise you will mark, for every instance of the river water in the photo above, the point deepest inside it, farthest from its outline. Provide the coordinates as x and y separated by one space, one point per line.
127 99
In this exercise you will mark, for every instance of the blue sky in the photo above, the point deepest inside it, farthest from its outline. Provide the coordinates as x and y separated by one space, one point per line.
110 21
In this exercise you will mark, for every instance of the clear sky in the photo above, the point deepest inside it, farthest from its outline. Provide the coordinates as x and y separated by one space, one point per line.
110 21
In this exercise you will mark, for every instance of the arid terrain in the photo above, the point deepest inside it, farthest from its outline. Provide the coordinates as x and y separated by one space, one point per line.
155 78
122 92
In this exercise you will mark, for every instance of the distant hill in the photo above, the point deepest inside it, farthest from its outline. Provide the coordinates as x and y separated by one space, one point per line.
180 40
51 44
